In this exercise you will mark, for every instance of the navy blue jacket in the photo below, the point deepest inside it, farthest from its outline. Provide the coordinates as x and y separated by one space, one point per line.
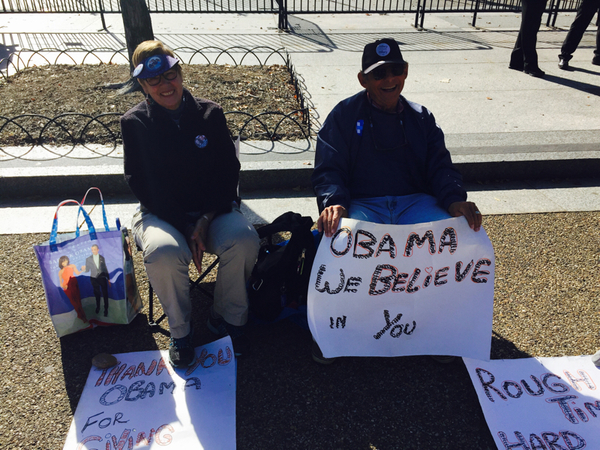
354 160
179 172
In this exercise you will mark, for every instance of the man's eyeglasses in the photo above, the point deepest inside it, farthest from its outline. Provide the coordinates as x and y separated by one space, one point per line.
169 75
381 72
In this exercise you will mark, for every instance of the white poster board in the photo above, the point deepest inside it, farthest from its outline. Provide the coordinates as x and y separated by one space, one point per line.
396 290
540 403
144 403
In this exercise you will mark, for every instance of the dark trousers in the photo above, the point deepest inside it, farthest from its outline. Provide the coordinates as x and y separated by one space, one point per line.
524 54
584 16
100 286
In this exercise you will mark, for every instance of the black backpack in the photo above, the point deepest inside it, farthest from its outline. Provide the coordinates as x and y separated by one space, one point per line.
282 271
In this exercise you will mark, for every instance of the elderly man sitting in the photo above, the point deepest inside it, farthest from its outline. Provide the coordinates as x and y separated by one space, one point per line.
381 158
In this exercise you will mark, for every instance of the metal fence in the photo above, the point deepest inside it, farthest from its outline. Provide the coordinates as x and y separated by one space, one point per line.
285 7
154 6
35 137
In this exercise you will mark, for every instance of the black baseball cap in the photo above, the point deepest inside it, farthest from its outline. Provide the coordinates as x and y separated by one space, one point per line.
382 51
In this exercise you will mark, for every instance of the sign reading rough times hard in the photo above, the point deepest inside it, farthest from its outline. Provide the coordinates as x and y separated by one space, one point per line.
540 403
143 402
397 290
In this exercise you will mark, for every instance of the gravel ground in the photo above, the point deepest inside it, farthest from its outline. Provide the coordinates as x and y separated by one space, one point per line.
546 304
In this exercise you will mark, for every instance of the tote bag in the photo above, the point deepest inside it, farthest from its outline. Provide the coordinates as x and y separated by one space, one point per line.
85 276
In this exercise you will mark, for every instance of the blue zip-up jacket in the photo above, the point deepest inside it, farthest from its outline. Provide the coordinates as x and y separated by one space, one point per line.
400 154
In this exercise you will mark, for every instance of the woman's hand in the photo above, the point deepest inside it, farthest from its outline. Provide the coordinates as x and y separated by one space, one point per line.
196 238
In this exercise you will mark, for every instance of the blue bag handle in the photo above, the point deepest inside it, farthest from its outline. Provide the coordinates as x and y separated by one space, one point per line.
106 227
54 231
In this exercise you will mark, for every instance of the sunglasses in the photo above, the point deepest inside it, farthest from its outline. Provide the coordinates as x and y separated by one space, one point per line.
382 72
169 75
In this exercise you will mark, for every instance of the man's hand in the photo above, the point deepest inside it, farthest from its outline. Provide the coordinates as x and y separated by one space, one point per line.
469 210
196 239
329 219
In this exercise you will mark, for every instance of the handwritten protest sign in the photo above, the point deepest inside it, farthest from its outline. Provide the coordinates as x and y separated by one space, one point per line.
395 290
540 403
144 403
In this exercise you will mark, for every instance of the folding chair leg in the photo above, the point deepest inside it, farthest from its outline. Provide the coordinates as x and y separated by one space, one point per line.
151 321
193 284
196 284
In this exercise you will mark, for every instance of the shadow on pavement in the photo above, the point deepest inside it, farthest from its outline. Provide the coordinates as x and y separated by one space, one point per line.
285 400
505 349
77 351
580 86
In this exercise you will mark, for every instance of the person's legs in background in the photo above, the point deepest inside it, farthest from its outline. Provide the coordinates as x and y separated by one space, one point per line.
584 16
596 58
524 55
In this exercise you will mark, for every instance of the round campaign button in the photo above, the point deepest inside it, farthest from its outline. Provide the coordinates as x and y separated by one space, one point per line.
138 70
383 49
154 63
201 141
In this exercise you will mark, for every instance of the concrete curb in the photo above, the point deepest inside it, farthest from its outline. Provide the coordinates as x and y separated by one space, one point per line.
282 175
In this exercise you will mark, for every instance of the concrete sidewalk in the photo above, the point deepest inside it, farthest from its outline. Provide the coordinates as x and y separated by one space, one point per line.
458 71
499 123
34 215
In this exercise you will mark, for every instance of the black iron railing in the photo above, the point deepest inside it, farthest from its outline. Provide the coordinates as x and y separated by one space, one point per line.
82 136
285 7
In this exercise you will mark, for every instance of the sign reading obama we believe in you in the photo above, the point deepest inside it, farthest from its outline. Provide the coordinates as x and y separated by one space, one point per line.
398 290
143 402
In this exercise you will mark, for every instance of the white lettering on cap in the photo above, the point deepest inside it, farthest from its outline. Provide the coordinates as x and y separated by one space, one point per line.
383 49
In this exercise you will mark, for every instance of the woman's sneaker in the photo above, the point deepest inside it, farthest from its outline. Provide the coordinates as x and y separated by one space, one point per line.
181 351
218 326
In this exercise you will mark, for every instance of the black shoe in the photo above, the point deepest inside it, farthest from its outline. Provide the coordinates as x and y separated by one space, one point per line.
516 67
564 64
317 355
443 359
218 326
97 310
537 72
181 351
596 60
105 313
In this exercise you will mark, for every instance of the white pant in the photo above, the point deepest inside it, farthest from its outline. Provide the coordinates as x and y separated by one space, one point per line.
167 257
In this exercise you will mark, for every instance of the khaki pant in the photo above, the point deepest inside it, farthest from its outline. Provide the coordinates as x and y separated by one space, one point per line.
167 258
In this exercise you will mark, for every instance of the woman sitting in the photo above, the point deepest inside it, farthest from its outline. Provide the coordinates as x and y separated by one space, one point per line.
181 164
